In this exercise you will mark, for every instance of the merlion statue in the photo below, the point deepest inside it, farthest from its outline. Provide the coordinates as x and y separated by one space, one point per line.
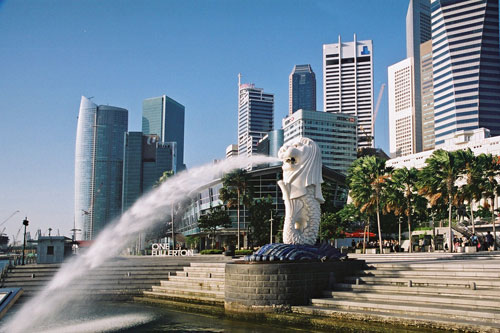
301 187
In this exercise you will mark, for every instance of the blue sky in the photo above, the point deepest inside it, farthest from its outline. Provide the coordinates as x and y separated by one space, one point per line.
121 52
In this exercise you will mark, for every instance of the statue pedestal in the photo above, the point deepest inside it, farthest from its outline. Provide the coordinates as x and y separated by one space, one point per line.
258 287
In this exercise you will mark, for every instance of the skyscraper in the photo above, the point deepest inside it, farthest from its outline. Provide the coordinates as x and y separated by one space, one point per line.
335 134
98 166
255 117
348 84
302 89
427 96
144 162
418 31
404 136
466 66
164 117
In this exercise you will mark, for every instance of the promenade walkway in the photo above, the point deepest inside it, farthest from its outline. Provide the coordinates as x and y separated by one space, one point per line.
435 290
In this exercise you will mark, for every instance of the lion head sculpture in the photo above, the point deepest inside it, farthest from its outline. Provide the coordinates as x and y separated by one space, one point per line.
302 165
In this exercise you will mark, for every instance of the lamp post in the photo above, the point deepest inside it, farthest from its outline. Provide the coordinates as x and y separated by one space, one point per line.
25 223
271 234
399 222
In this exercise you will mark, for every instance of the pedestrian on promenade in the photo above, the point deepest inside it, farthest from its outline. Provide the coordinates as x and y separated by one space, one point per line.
489 241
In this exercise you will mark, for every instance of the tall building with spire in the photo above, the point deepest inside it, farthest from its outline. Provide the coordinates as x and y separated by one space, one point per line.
302 89
466 66
98 166
255 116
348 84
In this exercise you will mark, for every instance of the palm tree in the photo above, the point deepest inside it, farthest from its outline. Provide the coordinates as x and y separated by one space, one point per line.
490 187
235 191
402 197
437 181
368 179
472 172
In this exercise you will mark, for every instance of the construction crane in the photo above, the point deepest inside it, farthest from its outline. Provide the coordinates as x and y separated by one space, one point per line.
375 112
14 238
11 215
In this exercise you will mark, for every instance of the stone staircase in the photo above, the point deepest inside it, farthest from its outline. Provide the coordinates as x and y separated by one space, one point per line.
441 291
201 282
121 278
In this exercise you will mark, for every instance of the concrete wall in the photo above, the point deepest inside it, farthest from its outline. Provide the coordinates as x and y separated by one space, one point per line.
264 287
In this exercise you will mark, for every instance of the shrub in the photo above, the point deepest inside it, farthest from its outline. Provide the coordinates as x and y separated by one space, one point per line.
212 251
243 252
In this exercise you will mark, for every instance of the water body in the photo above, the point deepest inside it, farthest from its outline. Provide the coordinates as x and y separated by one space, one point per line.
60 295
145 318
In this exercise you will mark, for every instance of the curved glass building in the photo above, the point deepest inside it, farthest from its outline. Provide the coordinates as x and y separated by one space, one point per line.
98 166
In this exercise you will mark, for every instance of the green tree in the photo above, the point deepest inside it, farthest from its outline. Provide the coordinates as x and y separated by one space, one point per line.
260 215
236 190
332 226
164 177
368 179
438 182
472 172
490 187
402 196
213 220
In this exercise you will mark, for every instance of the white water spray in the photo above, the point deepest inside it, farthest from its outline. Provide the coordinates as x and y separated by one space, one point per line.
59 296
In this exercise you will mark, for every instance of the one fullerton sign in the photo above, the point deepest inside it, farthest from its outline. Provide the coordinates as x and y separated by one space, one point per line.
163 250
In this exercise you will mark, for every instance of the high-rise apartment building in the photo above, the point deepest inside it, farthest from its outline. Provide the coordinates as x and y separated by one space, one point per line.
427 96
255 117
404 135
348 84
232 151
164 117
145 160
98 166
335 134
466 66
302 89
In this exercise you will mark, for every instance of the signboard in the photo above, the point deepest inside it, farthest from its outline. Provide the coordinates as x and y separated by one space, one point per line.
163 250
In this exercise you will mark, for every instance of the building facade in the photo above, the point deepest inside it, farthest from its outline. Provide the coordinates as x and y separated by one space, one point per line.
231 151
418 31
164 117
466 66
348 84
302 89
427 96
255 117
264 184
98 166
405 135
144 162
335 134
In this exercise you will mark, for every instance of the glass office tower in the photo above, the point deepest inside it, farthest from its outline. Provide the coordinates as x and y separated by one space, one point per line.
98 166
302 89
164 117
466 66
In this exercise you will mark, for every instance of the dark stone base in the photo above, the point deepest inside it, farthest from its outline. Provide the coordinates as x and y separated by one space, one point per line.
275 286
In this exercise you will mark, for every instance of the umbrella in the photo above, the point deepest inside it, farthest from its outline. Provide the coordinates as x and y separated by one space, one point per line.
359 234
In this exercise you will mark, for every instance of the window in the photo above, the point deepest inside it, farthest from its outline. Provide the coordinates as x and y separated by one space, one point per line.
50 250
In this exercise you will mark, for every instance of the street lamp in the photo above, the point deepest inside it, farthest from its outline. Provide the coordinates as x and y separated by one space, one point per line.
399 222
25 223
271 234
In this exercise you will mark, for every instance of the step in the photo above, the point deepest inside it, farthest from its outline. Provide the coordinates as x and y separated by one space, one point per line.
384 317
207 275
490 302
436 273
199 279
415 289
208 285
190 292
492 316
426 281
195 299
453 266
205 269
208 264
